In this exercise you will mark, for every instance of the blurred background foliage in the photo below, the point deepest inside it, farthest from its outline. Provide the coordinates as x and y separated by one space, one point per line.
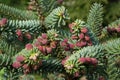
21 4
79 8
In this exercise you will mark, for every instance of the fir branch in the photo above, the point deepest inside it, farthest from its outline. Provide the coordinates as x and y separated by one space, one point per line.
113 46
43 7
31 26
52 65
16 13
95 19
90 51
6 54
106 53
57 18
47 6
113 70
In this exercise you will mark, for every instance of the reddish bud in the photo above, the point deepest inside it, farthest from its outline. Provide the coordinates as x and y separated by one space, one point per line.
19 32
3 22
71 30
49 49
64 60
81 36
87 38
28 36
81 44
94 61
65 40
39 39
76 74
84 30
35 67
78 44
82 60
71 46
20 38
40 48
36 44
30 7
113 29
29 46
20 58
74 37
53 44
63 44
44 36
67 48
118 29
25 66
44 41
88 60
60 1
90 43
71 25
16 64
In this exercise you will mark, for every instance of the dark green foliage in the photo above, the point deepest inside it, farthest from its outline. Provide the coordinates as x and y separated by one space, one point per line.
51 65
11 74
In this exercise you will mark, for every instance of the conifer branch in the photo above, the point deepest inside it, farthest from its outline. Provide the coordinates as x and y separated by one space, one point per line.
31 27
95 19
16 13
57 18
6 54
